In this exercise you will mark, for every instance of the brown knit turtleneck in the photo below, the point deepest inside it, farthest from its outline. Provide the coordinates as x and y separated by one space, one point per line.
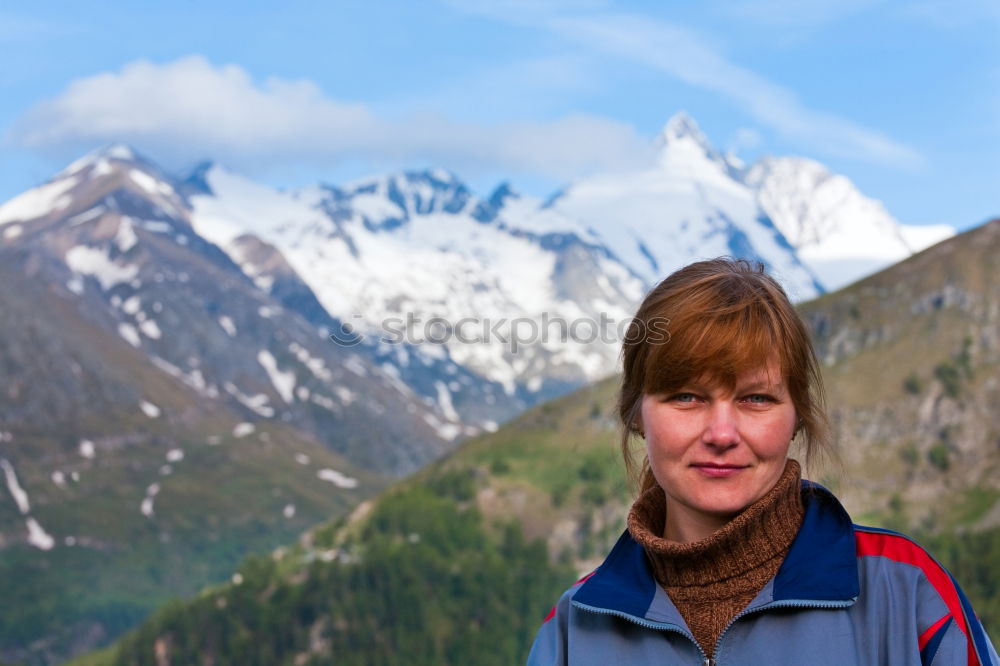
712 580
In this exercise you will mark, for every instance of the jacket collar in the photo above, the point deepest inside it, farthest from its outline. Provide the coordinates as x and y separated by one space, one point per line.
821 565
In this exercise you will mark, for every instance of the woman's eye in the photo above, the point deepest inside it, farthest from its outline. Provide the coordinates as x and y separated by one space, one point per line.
684 397
758 399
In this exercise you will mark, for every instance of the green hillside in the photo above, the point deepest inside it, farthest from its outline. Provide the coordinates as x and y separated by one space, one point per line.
459 564
455 566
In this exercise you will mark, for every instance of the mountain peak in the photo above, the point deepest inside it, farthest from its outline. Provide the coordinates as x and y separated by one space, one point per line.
117 151
120 152
681 126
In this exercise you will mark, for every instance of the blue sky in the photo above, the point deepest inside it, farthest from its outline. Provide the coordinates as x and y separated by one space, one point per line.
901 97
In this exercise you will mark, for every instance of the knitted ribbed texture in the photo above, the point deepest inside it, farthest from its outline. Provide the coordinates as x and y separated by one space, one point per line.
712 580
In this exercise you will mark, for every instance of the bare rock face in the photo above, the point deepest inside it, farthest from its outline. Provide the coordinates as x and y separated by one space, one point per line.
910 357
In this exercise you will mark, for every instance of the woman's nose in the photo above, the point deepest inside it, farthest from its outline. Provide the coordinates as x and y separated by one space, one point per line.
721 428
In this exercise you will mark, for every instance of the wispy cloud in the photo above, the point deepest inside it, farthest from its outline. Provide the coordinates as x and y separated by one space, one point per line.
190 108
952 15
19 28
793 13
513 88
692 58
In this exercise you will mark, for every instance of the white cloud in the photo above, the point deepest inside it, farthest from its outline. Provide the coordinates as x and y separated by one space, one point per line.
187 109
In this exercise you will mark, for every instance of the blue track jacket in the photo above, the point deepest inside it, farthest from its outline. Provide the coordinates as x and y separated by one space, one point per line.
844 595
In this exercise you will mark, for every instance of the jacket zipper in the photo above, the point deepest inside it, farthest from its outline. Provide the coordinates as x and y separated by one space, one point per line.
769 606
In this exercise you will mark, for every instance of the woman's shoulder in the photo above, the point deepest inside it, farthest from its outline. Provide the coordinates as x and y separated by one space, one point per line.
898 573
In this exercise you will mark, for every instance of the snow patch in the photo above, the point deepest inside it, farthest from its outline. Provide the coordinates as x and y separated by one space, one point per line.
175 455
150 329
227 325
131 305
301 458
444 401
267 312
91 261
194 379
289 511
16 491
284 382
243 429
325 402
149 409
37 202
257 403
59 479
128 332
75 285
86 216
146 507
126 238
316 365
157 227
38 537
447 431
12 231
336 478
87 449
346 395
148 183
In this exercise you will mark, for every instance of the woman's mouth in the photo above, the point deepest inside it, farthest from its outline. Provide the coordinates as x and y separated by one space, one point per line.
719 470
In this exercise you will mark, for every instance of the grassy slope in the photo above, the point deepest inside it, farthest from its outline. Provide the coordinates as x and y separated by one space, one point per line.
551 475
554 474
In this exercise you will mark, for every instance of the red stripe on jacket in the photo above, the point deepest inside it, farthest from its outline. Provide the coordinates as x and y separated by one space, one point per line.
552 613
931 630
901 549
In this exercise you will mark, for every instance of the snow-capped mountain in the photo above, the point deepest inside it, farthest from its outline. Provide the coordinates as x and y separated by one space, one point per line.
112 234
689 205
838 232
431 274
530 297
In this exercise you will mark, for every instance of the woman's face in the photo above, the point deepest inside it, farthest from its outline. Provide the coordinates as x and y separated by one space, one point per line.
713 452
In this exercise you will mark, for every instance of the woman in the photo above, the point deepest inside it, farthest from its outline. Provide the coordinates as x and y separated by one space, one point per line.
729 558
